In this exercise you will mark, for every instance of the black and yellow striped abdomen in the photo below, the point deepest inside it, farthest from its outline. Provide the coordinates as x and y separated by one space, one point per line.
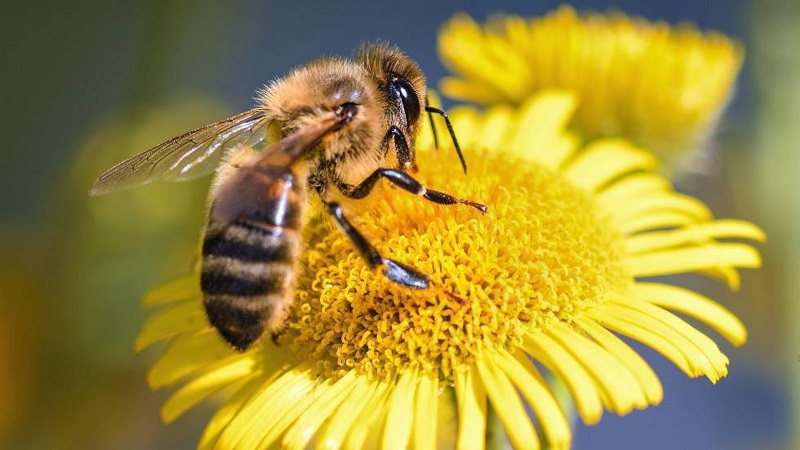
249 263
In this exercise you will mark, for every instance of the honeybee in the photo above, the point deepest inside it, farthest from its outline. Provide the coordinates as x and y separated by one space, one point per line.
330 127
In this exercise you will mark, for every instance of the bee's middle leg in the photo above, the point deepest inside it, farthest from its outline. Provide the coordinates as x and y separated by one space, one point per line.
406 182
395 271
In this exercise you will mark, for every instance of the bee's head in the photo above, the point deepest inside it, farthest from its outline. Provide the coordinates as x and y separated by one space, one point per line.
401 89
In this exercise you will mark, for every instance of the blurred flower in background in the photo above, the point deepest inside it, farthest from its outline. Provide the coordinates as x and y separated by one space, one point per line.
662 87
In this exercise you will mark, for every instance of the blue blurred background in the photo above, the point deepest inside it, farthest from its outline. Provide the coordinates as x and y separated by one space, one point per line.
88 82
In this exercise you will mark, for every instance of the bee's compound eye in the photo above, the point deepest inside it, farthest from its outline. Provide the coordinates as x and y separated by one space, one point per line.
400 89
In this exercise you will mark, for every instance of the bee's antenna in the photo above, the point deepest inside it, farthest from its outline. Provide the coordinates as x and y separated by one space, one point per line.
433 126
431 109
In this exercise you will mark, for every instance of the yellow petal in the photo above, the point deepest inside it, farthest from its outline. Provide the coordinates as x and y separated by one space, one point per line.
185 355
399 417
622 392
710 360
346 414
699 233
496 125
468 34
606 159
502 55
471 396
728 275
570 372
183 317
694 305
182 288
615 197
271 408
506 404
650 221
640 332
539 129
365 425
425 411
671 261
698 357
227 412
477 92
206 384
537 393
327 399
649 207
647 379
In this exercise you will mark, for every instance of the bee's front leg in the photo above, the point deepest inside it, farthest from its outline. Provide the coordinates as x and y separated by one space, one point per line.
406 182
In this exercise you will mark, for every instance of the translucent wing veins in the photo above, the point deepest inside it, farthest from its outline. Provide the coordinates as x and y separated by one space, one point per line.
187 156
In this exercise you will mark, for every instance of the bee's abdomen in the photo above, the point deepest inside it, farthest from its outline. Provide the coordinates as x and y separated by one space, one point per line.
252 242
247 278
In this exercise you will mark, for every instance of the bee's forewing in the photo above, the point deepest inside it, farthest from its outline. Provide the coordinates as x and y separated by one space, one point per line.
190 155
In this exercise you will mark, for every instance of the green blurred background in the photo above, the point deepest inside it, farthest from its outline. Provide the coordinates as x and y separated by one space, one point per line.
87 83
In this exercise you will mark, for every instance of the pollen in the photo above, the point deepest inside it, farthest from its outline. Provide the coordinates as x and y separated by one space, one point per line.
541 254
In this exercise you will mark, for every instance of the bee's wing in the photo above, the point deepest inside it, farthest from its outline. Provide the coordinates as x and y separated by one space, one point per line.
240 192
190 155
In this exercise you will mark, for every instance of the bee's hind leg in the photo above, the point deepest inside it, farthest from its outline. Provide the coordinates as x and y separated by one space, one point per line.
393 270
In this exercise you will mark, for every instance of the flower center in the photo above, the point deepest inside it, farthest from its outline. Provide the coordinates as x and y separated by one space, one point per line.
542 253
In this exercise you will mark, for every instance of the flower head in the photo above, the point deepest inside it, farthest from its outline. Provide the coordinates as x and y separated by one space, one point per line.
551 277
662 87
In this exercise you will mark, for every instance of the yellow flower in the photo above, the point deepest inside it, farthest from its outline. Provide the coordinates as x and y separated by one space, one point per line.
554 274
662 87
